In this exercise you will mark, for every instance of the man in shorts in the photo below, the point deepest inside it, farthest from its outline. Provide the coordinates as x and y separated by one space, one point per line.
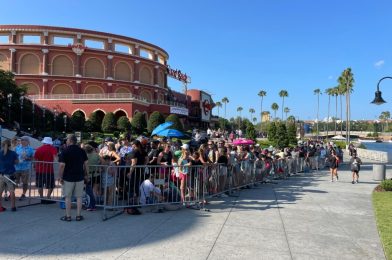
73 171
25 155
44 156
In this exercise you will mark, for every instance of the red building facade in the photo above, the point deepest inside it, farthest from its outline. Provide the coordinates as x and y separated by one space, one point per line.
81 70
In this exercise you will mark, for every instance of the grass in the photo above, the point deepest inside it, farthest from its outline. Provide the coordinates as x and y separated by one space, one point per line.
382 203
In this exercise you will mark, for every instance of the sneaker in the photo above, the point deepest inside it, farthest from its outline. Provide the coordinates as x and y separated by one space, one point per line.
356 181
22 197
352 182
337 178
332 180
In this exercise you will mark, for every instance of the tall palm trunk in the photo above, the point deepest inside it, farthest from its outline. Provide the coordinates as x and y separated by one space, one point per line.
318 104
225 110
261 111
329 106
341 116
282 107
336 112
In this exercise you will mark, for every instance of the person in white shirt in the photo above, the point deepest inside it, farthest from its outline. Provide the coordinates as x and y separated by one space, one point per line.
149 194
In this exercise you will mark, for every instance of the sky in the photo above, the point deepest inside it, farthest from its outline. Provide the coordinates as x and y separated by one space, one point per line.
234 49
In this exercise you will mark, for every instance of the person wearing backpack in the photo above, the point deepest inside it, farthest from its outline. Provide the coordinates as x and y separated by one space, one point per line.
355 163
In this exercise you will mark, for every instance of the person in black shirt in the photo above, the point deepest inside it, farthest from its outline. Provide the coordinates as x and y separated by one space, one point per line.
73 171
136 175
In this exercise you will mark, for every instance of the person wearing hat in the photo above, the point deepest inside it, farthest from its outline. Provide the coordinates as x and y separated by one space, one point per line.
44 156
25 154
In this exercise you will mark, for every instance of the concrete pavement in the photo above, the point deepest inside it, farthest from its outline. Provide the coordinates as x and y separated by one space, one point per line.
303 217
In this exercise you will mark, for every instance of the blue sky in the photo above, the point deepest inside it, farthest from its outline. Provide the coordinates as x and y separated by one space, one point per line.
236 48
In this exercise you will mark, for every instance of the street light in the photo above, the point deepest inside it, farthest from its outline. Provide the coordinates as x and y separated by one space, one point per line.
54 119
9 96
21 110
378 100
65 123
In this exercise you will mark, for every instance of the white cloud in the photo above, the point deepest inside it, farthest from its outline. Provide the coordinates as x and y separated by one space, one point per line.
379 64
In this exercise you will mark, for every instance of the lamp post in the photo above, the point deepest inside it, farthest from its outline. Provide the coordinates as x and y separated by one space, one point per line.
43 117
9 96
21 110
54 120
65 123
378 100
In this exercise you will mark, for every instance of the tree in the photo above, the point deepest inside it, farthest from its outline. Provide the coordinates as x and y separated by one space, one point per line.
77 121
318 93
272 132
251 111
283 93
8 86
123 124
254 119
218 105
156 119
261 94
109 123
176 122
94 122
286 111
225 100
335 92
346 82
292 133
239 109
250 132
385 116
281 139
275 108
224 124
329 92
139 123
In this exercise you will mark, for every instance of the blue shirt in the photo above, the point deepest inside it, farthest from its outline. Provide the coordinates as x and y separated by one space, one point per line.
25 155
7 162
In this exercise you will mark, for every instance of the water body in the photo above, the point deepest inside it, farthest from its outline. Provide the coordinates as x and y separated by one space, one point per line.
383 147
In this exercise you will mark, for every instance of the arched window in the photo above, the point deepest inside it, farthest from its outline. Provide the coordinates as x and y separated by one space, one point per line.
62 65
79 112
123 71
29 64
161 79
4 64
93 90
31 88
119 113
146 95
146 75
94 68
62 89
122 90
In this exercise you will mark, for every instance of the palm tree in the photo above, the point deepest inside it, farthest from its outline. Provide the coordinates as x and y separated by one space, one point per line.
317 92
283 93
291 119
254 120
225 100
346 81
239 109
329 92
251 111
335 92
261 94
286 111
385 117
341 93
218 105
274 107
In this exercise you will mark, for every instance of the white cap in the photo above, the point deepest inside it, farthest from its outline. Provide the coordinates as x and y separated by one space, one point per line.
185 146
47 140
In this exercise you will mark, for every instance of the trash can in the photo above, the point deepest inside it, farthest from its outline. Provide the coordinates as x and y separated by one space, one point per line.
378 172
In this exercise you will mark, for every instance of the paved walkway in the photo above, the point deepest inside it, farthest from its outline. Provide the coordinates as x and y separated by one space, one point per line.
304 217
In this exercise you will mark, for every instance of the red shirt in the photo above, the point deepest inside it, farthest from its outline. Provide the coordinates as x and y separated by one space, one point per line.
45 153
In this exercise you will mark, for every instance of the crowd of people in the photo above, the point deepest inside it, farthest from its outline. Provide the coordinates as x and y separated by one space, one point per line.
176 172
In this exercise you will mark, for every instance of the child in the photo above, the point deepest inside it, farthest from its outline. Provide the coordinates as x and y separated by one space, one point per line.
107 178
355 163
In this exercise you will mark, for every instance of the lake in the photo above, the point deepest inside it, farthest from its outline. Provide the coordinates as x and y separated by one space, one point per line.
383 147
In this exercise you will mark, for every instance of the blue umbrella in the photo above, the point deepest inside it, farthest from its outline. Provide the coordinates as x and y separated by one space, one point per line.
170 133
161 127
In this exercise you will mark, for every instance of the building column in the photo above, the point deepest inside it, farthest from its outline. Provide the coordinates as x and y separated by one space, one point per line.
110 46
109 67
78 87
13 60
109 88
46 38
13 37
137 68
45 62
44 87
156 74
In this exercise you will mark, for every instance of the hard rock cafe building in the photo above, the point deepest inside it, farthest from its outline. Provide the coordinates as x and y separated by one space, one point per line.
68 70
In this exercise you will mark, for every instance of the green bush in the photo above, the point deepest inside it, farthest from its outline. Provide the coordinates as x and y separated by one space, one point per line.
386 185
109 123
176 122
123 124
156 119
139 123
